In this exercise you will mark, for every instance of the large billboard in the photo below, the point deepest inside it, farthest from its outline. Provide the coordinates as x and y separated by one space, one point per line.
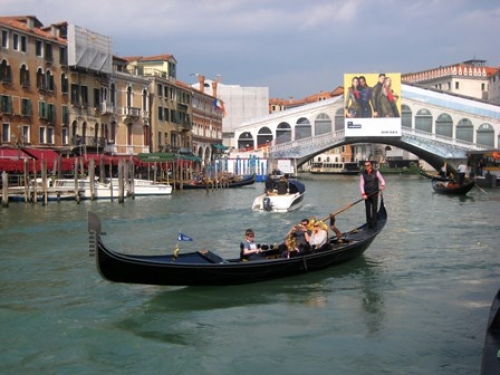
89 50
372 104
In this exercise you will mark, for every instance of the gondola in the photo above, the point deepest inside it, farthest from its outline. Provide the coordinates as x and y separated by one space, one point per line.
490 363
435 176
204 267
452 187
234 182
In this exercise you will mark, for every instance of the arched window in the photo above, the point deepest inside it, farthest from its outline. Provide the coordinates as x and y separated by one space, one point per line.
24 76
444 125
423 120
40 79
323 124
64 84
49 80
144 100
283 133
265 136
5 72
339 119
302 128
245 141
406 116
465 130
486 135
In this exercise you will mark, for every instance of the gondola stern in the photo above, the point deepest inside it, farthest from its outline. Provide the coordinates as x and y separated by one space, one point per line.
94 230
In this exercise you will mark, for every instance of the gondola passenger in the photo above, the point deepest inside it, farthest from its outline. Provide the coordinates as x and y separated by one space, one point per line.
249 250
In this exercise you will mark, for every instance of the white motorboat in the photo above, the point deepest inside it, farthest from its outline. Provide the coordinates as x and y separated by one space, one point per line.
285 196
101 190
146 187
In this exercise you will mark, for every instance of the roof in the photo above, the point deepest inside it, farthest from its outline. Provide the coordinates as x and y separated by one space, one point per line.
21 23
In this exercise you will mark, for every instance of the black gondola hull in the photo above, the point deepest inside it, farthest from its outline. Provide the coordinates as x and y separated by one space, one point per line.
204 268
490 363
441 187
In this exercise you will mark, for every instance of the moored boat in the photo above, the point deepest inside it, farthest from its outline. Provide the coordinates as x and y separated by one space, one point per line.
452 187
205 267
287 197
143 187
334 168
232 182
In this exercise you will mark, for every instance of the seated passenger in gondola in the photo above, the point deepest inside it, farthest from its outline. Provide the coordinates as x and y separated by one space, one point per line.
299 235
249 250
319 236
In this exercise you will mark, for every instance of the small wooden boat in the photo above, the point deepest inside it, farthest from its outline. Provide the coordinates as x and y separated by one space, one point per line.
287 198
452 187
490 363
233 182
205 267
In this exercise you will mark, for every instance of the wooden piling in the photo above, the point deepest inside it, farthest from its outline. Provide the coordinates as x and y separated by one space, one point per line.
45 192
92 178
121 198
5 189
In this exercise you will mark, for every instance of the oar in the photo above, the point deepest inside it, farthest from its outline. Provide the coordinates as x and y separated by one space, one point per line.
476 185
349 206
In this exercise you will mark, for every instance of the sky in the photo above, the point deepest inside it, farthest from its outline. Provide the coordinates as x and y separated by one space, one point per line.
295 48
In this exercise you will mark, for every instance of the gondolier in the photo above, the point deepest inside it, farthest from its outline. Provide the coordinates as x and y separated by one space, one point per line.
370 182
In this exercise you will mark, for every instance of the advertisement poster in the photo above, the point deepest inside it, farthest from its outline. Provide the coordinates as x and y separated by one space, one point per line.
372 103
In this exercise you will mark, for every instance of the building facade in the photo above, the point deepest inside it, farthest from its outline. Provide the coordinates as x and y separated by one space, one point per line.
34 85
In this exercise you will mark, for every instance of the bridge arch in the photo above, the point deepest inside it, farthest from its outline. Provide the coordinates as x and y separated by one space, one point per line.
406 116
265 136
465 130
283 133
486 135
303 128
423 120
245 140
444 125
339 119
322 124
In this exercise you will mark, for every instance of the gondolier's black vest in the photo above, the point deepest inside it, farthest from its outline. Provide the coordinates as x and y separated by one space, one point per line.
371 182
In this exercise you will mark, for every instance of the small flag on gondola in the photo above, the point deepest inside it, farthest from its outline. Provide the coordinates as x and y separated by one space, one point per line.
183 237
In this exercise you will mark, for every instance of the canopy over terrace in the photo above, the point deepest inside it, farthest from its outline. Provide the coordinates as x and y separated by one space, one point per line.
13 159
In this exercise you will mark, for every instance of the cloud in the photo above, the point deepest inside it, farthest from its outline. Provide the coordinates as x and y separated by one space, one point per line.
298 47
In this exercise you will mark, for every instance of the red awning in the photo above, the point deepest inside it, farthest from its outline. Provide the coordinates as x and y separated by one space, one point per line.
111 159
12 153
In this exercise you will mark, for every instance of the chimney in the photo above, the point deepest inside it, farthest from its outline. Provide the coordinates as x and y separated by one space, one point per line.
214 89
31 23
201 80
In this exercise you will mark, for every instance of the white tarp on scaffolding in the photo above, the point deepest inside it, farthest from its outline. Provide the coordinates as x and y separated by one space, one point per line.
89 50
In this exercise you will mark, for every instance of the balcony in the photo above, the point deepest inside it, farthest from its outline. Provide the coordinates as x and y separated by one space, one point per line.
106 109
132 112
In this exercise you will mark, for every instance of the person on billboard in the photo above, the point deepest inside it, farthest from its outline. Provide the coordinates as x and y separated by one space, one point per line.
351 104
386 100
376 91
365 99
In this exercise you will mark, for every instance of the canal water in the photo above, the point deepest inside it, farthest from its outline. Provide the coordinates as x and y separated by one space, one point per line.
417 302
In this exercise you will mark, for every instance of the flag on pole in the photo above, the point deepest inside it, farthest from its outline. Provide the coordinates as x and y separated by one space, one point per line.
183 237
